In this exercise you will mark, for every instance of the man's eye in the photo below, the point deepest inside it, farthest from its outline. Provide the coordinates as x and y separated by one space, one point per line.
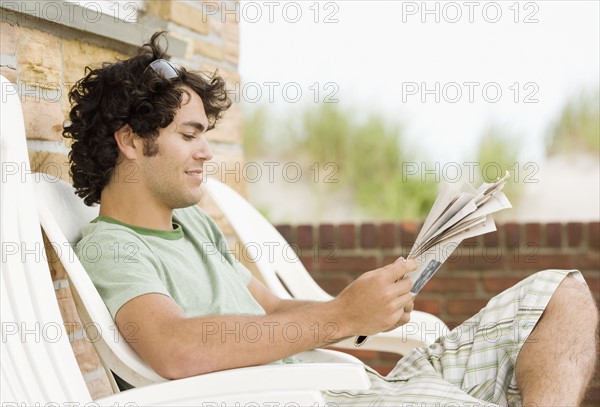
188 136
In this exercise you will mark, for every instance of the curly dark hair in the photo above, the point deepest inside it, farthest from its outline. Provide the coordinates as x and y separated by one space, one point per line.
128 92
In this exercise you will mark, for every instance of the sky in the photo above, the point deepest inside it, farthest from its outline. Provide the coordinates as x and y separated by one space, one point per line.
445 70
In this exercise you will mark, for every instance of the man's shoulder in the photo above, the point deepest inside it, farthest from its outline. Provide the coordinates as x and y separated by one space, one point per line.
100 234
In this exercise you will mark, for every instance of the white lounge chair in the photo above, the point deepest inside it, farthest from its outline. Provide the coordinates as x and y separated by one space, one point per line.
287 277
38 366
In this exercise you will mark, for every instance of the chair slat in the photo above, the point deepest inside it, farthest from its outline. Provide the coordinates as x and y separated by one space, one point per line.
43 371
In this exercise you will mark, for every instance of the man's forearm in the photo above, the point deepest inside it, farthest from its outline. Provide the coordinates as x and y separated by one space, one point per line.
207 344
288 305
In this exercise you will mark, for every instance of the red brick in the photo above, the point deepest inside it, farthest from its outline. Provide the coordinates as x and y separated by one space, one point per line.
304 234
408 232
333 285
511 235
431 306
452 323
495 285
593 396
346 263
493 237
553 234
449 284
593 281
465 252
525 253
594 235
383 370
346 234
533 234
465 307
492 259
364 355
286 231
587 261
326 236
401 251
541 261
387 234
308 262
389 356
473 242
368 236
574 233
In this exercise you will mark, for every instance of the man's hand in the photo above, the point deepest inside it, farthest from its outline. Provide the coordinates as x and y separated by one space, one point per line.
377 301
405 318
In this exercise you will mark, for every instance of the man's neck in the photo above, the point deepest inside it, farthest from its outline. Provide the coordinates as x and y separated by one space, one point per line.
134 208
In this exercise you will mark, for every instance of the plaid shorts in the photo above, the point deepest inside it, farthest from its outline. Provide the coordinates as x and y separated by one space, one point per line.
473 365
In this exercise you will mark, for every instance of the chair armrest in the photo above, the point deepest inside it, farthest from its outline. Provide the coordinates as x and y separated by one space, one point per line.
249 383
326 356
259 398
422 330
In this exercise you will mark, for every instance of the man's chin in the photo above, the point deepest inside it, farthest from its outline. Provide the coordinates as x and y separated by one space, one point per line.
191 200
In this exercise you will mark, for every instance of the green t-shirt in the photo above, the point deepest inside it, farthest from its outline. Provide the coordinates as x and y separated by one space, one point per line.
191 264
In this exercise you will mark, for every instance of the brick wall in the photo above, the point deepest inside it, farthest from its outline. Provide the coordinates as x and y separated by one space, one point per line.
44 48
479 268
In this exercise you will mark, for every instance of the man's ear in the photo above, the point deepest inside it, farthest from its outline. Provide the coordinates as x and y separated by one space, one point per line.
126 140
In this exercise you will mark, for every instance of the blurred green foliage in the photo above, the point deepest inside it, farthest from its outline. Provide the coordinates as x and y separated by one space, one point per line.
578 126
254 132
369 153
366 154
497 153
369 157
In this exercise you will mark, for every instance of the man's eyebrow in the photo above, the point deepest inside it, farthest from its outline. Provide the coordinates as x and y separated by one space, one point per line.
197 125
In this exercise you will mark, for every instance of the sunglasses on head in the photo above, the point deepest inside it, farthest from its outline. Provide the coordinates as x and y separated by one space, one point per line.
165 68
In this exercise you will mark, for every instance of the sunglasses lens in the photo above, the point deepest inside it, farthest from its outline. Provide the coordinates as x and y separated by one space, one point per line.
165 68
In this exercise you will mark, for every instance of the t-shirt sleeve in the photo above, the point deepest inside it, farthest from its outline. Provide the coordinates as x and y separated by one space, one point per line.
245 274
121 267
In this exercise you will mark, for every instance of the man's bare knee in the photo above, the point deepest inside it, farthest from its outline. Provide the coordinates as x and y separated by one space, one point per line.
574 298
572 286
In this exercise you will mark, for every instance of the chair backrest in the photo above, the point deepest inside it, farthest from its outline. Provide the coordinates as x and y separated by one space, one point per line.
38 365
62 214
275 259
285 275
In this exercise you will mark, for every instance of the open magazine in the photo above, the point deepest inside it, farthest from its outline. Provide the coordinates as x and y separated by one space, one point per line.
459 212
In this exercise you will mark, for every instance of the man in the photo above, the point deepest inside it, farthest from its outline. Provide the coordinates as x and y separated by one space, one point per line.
139 145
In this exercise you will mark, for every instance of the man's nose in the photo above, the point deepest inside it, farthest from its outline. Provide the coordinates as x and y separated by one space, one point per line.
203 151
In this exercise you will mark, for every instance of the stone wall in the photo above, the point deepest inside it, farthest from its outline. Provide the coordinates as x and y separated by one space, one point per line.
44 49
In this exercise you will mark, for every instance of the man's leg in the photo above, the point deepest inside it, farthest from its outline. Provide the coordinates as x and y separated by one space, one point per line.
557 361
479 357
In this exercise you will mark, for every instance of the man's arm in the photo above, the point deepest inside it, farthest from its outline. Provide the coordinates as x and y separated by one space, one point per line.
176 346
272 303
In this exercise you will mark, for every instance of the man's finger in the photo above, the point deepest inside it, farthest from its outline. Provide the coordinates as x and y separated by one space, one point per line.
409 264
403 286
400 268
